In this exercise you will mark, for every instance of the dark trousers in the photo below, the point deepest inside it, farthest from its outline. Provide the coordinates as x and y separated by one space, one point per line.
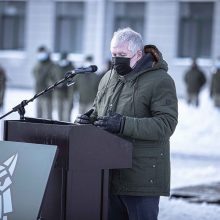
133 207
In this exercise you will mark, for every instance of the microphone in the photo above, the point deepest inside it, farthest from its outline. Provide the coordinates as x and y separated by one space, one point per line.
72 73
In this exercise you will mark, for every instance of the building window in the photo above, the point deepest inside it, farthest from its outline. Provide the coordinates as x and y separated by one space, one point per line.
69 26
131 15
12 25
195 29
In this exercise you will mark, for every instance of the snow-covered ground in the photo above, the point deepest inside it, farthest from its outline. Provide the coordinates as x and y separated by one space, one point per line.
198 129
195 145
195 152
195 156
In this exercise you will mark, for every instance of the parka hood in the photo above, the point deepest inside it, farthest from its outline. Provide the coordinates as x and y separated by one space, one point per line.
157 58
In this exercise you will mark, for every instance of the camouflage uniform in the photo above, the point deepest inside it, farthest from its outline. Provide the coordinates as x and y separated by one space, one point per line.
64 95
194 79
215 88
45 75
2 86
87 86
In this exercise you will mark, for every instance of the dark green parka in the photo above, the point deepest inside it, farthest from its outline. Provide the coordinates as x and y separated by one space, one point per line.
147 97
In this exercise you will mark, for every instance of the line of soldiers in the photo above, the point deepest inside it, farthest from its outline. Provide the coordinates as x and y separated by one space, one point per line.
46 73
195 79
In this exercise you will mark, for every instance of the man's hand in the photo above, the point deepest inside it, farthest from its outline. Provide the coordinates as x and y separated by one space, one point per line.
113 123
84 118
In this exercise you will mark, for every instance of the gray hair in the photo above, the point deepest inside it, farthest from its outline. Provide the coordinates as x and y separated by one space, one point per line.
134 39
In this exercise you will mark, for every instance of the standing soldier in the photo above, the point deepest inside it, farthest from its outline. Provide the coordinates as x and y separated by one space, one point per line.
2 86
63 92
215 85
86 85
194 79
44 73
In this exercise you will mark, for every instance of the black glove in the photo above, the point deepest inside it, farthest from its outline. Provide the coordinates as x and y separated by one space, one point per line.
113 123
84 118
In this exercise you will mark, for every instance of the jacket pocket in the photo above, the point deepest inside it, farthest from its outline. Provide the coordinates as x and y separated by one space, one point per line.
147 168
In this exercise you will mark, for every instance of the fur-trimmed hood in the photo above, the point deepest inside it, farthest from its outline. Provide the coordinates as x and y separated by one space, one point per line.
157 61
152 59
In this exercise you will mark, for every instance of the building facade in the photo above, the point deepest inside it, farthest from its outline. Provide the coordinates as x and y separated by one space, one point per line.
181 29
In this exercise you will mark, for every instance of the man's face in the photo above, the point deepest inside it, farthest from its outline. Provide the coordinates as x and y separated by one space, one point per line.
121 50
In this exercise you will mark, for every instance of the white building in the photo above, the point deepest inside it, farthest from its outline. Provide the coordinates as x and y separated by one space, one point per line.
179 28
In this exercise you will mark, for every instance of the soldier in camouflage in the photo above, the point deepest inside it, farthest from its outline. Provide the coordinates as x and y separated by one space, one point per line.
2 86
215 85
86 85
44 72
195 79
64 93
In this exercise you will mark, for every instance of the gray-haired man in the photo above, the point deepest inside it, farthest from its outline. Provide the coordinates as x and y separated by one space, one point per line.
137 100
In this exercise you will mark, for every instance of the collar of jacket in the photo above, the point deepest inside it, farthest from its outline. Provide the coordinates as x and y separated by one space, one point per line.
151 60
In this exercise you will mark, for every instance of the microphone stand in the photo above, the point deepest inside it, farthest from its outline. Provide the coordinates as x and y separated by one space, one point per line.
20 107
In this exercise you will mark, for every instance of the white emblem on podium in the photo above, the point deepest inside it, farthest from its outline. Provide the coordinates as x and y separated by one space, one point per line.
6 172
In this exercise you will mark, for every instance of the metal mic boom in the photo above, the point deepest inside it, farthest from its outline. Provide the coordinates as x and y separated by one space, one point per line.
72 73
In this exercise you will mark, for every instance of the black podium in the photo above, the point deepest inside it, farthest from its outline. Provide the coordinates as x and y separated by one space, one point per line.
78 183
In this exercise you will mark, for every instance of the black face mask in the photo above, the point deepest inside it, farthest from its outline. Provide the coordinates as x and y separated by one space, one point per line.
121 65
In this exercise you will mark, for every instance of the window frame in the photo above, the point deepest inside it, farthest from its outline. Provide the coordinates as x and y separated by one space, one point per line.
200 22
19 20
59 17
134 19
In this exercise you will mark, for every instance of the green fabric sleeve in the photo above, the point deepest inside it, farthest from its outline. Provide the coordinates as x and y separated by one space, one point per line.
164 113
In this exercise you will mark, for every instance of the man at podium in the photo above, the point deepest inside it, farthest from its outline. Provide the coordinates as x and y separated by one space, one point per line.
137 100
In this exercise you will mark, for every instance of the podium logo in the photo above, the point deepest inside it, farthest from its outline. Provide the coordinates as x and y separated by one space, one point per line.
6 172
